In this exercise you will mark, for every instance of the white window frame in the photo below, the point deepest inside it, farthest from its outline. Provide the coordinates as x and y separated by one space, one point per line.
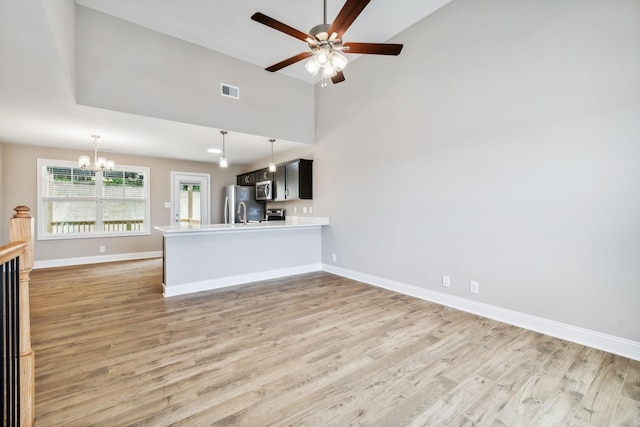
41 215
204 179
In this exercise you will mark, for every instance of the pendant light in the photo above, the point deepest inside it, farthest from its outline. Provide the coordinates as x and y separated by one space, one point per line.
223 159
272 166
99 163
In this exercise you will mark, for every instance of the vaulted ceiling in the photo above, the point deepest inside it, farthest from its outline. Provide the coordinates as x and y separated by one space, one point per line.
38 99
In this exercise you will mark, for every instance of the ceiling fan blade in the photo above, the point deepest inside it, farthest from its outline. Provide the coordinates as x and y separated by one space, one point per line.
277 25
347 15
289 61
373 48
338 77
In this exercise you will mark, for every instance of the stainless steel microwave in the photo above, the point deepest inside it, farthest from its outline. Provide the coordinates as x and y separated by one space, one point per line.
264 190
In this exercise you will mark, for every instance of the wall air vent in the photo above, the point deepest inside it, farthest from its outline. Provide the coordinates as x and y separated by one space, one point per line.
229 91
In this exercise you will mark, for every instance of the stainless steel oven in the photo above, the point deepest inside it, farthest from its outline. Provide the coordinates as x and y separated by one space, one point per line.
264 190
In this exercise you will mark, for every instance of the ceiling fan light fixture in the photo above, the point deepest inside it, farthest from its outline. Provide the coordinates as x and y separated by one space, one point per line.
338 60
322 56
312 66
326 44
328 71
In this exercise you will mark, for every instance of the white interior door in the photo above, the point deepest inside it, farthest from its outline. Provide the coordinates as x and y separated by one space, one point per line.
190 203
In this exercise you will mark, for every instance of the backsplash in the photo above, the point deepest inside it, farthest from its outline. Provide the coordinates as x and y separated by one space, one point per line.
294 207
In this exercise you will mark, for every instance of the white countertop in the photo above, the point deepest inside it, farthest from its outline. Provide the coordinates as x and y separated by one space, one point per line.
291 222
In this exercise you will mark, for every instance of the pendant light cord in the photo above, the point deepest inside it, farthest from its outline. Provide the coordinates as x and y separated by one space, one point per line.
223 132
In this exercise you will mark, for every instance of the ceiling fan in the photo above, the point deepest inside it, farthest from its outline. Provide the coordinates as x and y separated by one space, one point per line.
325 42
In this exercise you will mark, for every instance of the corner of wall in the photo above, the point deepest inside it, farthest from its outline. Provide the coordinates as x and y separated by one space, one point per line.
61 17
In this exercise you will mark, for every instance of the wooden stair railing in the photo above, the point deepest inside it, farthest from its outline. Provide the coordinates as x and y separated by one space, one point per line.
21 238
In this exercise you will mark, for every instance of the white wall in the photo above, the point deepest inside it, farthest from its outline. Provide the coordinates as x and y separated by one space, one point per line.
20 161
61 18
124 67
502 146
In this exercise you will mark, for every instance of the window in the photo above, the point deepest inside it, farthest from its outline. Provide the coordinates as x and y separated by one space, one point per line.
76 203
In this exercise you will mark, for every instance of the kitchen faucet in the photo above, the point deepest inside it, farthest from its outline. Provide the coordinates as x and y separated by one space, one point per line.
243 219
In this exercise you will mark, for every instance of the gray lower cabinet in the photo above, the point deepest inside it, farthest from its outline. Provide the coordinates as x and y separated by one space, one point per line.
294 180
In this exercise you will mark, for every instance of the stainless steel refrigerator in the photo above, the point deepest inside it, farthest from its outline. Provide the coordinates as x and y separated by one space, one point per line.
233 195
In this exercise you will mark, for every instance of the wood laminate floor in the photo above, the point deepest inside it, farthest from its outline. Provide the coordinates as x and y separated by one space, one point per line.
310 350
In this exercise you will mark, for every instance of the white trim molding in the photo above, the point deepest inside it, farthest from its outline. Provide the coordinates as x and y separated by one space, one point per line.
224 282
605 342
66 262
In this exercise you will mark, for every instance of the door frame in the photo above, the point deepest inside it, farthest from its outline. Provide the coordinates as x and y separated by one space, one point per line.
202 179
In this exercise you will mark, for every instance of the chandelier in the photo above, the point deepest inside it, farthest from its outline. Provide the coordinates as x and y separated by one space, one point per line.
99 163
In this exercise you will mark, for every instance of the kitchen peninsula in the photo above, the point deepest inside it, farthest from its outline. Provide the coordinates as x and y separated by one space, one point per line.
204 257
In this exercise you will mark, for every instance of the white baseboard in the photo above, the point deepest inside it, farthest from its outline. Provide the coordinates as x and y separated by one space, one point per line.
207 285
609 343
65 262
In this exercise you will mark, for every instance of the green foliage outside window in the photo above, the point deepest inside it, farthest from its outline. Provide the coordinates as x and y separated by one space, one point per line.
195 188
114 178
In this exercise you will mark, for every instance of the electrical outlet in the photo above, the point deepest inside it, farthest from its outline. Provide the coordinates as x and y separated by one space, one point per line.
334 257
304 209
102 249
446 281
295 209
474 287
310 209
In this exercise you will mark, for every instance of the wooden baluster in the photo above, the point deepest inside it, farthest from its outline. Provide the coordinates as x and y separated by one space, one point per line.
21 230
